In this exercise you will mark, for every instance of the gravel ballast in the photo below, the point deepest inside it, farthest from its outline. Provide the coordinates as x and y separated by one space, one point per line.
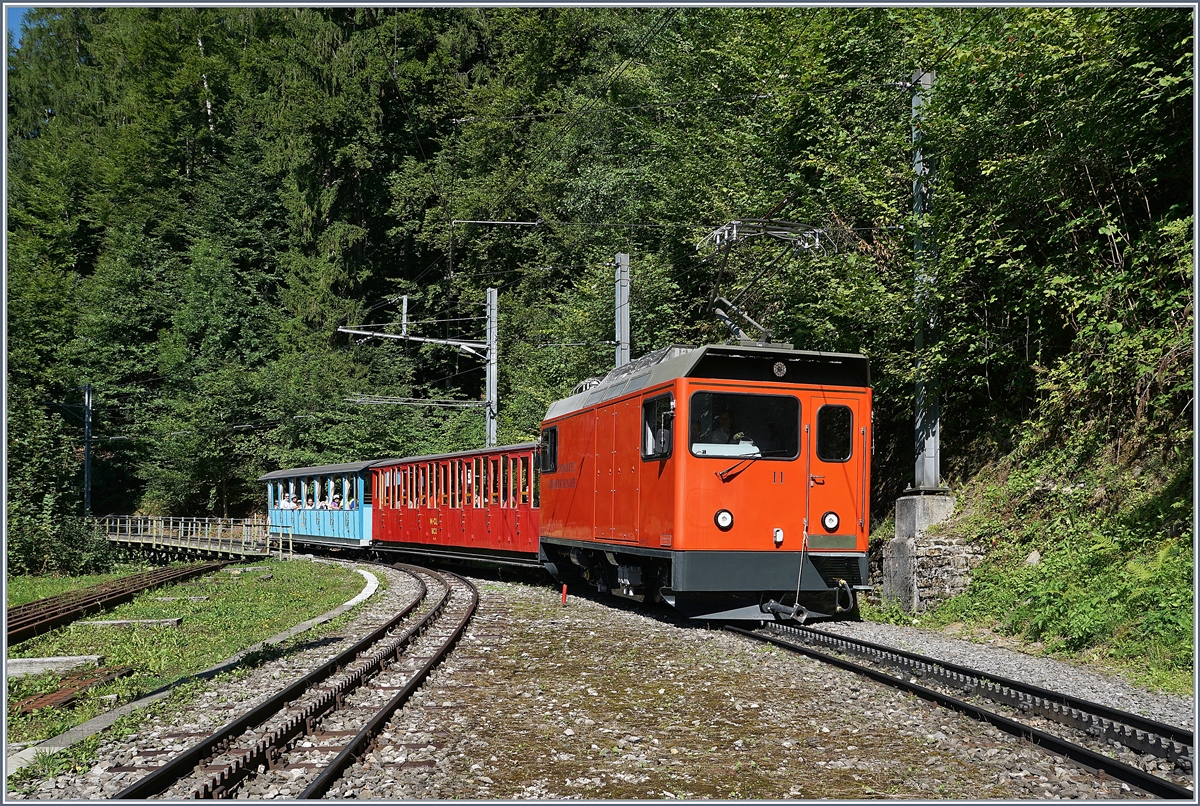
598 702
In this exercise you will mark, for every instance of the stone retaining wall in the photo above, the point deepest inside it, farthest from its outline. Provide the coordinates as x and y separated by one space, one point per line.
916 569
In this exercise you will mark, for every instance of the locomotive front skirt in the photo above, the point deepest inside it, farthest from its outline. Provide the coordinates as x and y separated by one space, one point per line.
730 481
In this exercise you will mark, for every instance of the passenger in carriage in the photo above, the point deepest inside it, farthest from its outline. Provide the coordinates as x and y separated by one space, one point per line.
287 503
351 503
309 503
336 503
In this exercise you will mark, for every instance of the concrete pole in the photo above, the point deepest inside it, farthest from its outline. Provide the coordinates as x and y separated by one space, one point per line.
622 309
927 420
493 396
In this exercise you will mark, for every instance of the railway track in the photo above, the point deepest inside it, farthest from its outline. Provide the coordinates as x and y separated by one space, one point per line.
1095 723
34 618
304 738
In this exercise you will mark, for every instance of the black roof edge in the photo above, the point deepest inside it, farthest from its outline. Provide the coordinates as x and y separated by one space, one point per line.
520 446
344 467
358 467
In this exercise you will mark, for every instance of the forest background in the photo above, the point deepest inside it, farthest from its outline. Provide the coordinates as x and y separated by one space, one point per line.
199 198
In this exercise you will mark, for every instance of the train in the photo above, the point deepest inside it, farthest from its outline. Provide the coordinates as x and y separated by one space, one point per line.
731 482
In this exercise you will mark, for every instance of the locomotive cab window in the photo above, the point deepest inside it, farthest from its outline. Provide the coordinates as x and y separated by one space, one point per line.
835 433
658 421
758 426
548 451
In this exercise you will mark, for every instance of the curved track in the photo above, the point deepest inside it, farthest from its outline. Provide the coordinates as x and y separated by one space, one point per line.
302 729
1092 718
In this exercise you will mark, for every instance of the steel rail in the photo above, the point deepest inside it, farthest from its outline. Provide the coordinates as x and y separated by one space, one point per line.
452 554
1134 731
75 598
164 776
1152 784
94 593
34 618
270 748
361 744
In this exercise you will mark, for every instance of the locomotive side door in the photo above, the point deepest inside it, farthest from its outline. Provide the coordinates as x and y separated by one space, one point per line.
606 424
627 462
837 457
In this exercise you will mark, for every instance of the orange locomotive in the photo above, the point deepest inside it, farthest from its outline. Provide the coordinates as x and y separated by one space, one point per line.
730 481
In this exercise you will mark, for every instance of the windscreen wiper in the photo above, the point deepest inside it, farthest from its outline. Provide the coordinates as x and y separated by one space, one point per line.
729 472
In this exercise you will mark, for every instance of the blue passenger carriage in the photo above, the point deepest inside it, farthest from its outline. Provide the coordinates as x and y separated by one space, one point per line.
330 504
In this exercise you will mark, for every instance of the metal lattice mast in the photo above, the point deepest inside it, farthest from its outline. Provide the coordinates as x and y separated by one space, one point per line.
493 343
487 350
87 450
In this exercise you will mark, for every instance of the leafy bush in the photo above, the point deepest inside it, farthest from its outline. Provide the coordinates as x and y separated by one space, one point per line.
1111 525
45 543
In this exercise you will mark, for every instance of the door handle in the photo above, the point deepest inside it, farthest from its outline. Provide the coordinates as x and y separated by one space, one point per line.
816 480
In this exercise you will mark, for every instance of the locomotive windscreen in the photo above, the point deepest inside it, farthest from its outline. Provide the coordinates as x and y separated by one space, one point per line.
783 367
736 424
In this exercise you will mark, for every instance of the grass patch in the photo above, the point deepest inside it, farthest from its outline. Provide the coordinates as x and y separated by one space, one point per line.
1089 551
241 610
24 589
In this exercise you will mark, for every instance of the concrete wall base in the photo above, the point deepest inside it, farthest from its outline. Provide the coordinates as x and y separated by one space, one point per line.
918 569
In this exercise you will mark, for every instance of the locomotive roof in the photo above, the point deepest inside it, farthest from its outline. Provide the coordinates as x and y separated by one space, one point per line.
721 361
357 467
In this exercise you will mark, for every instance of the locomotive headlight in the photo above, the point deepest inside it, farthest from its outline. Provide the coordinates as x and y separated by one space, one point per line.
724 520
830 521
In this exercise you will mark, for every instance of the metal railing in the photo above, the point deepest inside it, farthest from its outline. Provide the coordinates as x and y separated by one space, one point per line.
233 536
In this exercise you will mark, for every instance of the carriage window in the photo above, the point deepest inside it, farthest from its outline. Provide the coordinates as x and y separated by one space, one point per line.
475 482
759 426
548 451
835 433
658 420
505 481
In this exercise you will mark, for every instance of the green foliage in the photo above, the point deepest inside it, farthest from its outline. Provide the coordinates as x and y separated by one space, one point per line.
48 543
886 613
1113 576
1063 238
